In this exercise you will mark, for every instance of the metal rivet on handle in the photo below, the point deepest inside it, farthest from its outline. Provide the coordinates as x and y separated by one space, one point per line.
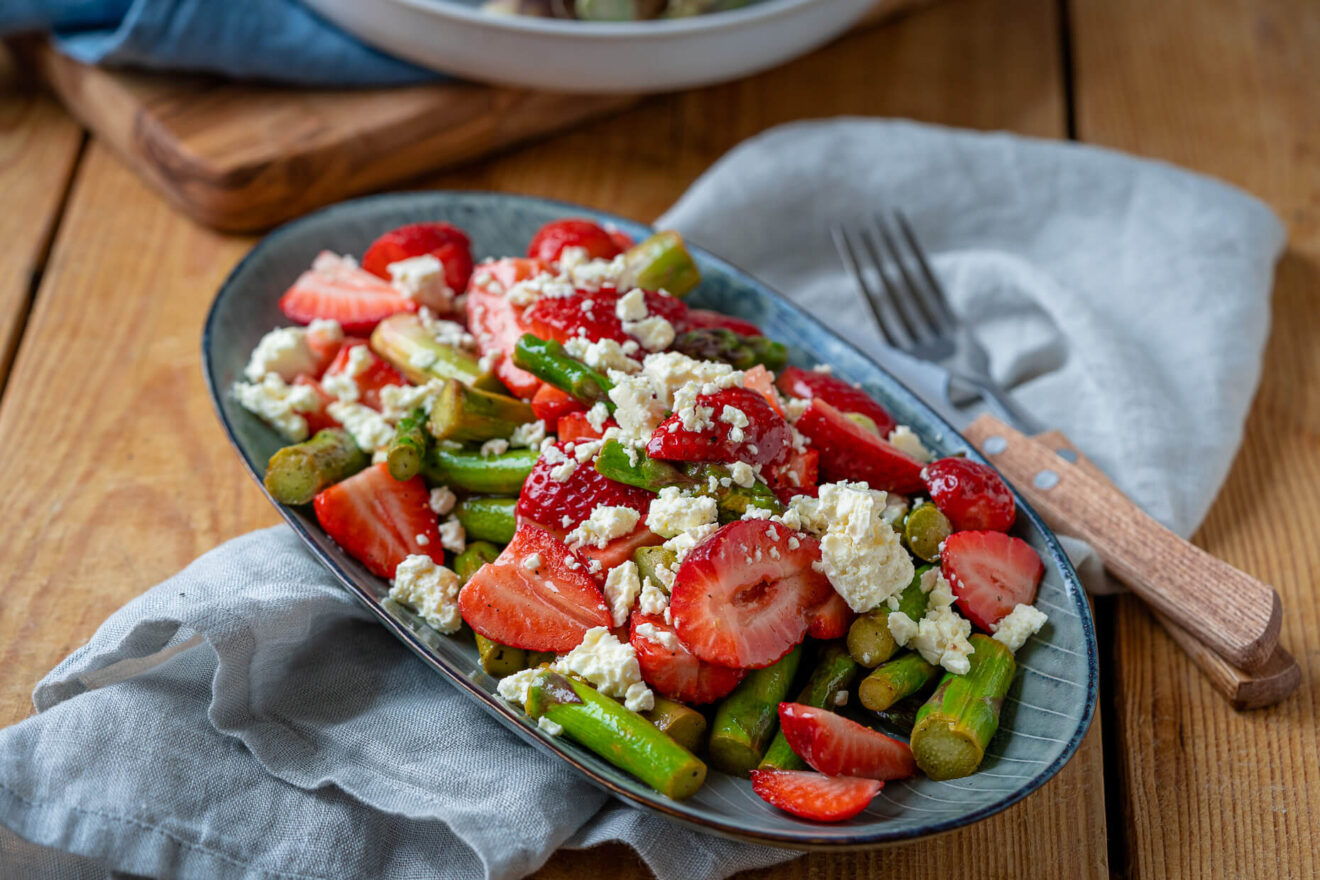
1046 479
994 445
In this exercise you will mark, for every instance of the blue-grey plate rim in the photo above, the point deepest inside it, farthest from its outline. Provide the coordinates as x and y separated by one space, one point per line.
803 839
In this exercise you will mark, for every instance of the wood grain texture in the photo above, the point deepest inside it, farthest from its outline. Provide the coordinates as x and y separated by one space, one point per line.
1227 610
146 482
39 144
1229 89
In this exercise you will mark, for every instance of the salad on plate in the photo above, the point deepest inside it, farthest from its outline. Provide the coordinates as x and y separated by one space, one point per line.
669 544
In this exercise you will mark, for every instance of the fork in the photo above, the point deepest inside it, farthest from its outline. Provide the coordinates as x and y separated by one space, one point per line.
1201 600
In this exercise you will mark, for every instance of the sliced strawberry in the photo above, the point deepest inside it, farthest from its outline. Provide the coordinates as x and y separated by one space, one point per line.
765 439
549 404
850 452
536 595
379 520
576 426
830 619
796 475
972 495
762 381
377 373
593 315
990 573
744 596
335 289
496 323
836 746
698 319
618 551
551 239
319 418
812 385
815 795
672 669
564 504
445 242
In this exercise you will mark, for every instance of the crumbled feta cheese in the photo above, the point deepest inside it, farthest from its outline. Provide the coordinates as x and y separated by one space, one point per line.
554 728
683 543
595 274
860 553
653 600
398 401
1023 622
905 440
622 587
429 589
731 415
421 539
598 415
661 637
284 352
571 257
631 306
370 431
528 435
654 333
422 279
941 639
498 446
515 688
453 537
603 525
671 370
446 332
342 384
529 290
605 354
673 512
442 500
637 409
794 407
611 666
532 562
743 474
279 404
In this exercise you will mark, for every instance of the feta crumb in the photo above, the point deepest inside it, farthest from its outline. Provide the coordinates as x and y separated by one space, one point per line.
662 637
422 279
611 666
532 562
421 539
284 352
941 637
446 332
622 587
598 415
561 466
429 589
442 500
905 440
603 525
452 535
631 306
742 473
1023 622
528 435
553 728
654 333
370 431
279 404
861 554
605 354
673 512
398 401
515 688
498 446
652 600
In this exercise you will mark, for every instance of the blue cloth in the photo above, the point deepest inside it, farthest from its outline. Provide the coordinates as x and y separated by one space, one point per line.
274 40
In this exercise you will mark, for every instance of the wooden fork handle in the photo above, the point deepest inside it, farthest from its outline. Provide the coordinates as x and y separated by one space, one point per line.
1233 614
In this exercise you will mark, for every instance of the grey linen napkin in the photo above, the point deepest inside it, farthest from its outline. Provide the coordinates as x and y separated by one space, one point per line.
246 719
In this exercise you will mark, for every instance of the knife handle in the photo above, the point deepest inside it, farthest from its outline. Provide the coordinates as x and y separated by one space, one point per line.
1268 685
1224 609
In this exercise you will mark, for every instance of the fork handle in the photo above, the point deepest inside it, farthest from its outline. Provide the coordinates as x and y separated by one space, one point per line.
1227 610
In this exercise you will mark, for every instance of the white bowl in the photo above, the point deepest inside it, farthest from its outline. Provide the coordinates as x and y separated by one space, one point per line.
594 57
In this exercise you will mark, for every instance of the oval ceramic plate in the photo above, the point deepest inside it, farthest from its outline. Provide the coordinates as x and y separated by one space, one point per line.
1047 711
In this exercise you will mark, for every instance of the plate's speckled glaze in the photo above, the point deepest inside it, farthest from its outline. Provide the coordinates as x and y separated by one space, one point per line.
1048 709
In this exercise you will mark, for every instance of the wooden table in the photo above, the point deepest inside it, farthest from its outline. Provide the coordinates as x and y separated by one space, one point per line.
116 474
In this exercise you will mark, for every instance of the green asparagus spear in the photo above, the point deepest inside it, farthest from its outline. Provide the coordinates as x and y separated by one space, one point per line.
834 672
649 559
733 499
501 474
892 681
624 464
487 519
956 723
662 262
547 360
404 341
408 446
747 719
462 413
683 724
622 737
633 467
296 473
476 554
924 530
869 639
740 352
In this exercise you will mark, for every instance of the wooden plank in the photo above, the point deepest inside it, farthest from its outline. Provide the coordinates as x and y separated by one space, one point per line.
144 482
1229 89
39 146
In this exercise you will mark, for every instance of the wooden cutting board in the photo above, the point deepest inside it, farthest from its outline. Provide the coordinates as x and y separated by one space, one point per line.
242 157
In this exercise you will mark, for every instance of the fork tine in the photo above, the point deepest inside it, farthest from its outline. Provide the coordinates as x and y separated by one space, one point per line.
932 296
918 326
849 258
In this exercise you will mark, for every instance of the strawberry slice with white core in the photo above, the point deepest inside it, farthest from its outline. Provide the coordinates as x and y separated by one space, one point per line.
815 796
990 573
837 746
745 596
671 669
536 595
335 289
850 452
379 520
